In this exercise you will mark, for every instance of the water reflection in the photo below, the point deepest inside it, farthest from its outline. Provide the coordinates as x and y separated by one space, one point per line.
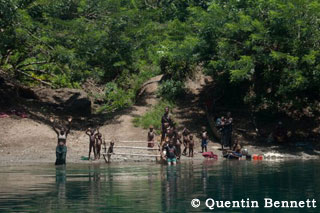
152 187
61 184
170 186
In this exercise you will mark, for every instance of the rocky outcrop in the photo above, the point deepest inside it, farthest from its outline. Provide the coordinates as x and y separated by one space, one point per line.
73 101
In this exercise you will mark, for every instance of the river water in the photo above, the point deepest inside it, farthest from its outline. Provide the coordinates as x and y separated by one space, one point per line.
140 187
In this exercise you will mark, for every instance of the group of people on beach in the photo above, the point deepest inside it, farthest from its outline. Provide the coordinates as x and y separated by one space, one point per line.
172 140
95 141
224 125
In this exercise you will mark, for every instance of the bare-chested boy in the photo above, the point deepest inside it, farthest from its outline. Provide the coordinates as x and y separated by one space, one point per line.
178 144
185 137
164 133
165 122
167 136
92 139
191 145
110 150
171 134
151 137
204 139
98 144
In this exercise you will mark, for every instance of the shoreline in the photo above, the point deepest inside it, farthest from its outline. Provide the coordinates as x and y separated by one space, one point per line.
268 157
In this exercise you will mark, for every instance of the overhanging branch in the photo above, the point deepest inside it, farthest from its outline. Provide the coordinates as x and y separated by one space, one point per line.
37 79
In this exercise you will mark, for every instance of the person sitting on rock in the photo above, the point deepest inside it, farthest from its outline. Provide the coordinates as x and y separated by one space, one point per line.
237 148
235 152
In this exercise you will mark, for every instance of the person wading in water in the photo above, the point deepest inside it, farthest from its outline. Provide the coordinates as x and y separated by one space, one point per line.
171 153
62 134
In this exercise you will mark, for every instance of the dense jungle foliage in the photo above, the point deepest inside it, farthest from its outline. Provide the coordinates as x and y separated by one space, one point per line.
264 53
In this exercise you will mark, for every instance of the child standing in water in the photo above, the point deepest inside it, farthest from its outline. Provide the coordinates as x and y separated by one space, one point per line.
204 139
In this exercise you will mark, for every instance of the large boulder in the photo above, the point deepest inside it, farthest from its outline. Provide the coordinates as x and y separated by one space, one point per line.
73 101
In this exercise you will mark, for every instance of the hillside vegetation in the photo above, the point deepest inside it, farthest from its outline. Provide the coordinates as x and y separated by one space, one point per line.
262 53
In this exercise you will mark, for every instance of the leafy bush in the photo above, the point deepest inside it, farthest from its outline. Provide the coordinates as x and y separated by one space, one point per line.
116 98
171 89
122 92
153 116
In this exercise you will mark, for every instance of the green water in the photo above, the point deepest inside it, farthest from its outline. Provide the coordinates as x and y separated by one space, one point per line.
137 187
